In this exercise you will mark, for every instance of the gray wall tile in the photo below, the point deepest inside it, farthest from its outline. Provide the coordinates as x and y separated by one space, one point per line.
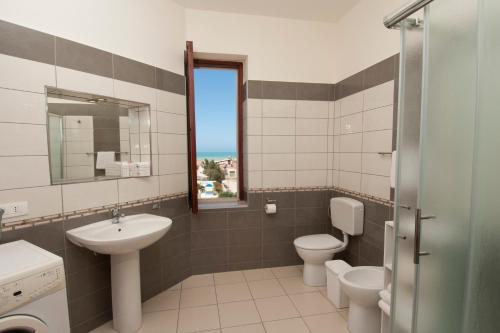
83 58
26 43
379 73
313 91
170 81
254 89
279 90
134 71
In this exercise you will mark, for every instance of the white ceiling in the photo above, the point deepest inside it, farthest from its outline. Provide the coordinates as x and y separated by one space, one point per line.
314 10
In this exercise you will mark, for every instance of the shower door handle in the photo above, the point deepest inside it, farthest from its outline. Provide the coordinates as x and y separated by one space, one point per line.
418 228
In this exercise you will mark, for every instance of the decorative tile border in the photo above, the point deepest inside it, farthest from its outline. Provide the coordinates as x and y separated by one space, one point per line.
38 221
371 198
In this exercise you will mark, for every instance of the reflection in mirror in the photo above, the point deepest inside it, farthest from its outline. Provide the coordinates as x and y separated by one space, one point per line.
95 137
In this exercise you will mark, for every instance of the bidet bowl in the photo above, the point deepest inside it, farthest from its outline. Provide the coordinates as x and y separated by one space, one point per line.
363 284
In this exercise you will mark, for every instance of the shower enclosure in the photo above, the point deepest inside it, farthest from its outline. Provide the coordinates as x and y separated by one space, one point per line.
447 198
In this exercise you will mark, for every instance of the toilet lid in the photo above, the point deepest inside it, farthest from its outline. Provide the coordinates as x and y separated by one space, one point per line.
317 242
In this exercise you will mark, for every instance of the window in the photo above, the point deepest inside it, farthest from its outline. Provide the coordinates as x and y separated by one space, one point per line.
215 90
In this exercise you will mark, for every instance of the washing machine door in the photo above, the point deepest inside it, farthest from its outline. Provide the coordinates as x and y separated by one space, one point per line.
22 324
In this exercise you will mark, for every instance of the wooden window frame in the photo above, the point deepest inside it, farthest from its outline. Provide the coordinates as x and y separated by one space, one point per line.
204 63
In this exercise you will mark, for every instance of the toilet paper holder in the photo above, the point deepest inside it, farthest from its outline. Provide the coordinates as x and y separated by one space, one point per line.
270 201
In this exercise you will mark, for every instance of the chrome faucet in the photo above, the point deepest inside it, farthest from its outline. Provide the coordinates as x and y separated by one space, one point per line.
115 215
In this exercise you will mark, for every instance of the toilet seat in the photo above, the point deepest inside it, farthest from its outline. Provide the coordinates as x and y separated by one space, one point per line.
317 242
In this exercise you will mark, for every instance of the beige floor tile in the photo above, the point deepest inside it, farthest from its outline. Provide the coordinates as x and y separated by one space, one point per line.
254 328
295 325
276 308
212 331
176 287
229 277
295 285
232 292
238 314
344 313
259 274
106 328
326 323
198 296
312 304
164 321
201 318
167 300
201 280
287 271
265 288
323 291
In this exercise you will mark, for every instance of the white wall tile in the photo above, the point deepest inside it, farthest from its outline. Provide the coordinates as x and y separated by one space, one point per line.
24 171
170 102
278 144
22 107
170 164
335 177
79 172
311 161
378 119
173 184
172 143
27 75
337 107
337 126
336 161
376 164
42 201
254 144
377 186
306 178
329 178
312 109
23 139
278 126
254 162
312 127
350 181
311 144
78 122
351 104
351 143
350 162
84 82
278 108
253 107
89 195
278 161
79 147
273 179
254 179
130 189
331 126
378 96
379 141
136 93
86 134
331 110
254 126
330 161
351 124
79 159
171 123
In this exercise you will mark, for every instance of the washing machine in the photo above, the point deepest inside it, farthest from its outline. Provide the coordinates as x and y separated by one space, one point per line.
32 290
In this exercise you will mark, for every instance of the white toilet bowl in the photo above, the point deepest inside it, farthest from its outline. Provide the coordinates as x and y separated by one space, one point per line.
362 285
315 250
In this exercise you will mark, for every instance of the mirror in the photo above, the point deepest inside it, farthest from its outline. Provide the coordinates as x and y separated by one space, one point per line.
95 137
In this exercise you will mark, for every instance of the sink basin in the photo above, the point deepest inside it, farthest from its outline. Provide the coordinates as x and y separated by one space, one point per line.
132 233
123 241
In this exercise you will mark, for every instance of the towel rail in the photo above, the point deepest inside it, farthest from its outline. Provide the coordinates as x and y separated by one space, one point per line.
384 153
116 152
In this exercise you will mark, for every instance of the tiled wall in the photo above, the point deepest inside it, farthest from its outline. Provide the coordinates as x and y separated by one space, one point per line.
68 65
88 275
287 134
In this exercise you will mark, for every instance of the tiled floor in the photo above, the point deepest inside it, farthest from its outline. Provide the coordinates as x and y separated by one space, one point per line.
268 300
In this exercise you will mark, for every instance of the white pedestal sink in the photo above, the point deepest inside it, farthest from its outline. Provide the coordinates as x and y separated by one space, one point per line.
123 241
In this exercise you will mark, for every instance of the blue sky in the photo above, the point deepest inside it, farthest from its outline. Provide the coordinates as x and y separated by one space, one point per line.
215 106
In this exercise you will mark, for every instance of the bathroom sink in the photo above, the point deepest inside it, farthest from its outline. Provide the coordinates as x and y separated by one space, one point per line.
132 233
122 241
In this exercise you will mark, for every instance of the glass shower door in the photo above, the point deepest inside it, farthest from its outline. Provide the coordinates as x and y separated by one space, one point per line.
446 162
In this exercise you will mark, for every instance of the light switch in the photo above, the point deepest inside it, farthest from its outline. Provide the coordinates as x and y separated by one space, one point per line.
13 209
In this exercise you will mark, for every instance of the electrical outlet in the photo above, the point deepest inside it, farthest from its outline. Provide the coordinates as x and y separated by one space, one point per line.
13 209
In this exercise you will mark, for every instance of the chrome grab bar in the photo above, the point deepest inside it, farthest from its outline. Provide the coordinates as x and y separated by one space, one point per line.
391 20
418 230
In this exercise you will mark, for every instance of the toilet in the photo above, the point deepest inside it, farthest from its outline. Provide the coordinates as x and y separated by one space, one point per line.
315 250
362 285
